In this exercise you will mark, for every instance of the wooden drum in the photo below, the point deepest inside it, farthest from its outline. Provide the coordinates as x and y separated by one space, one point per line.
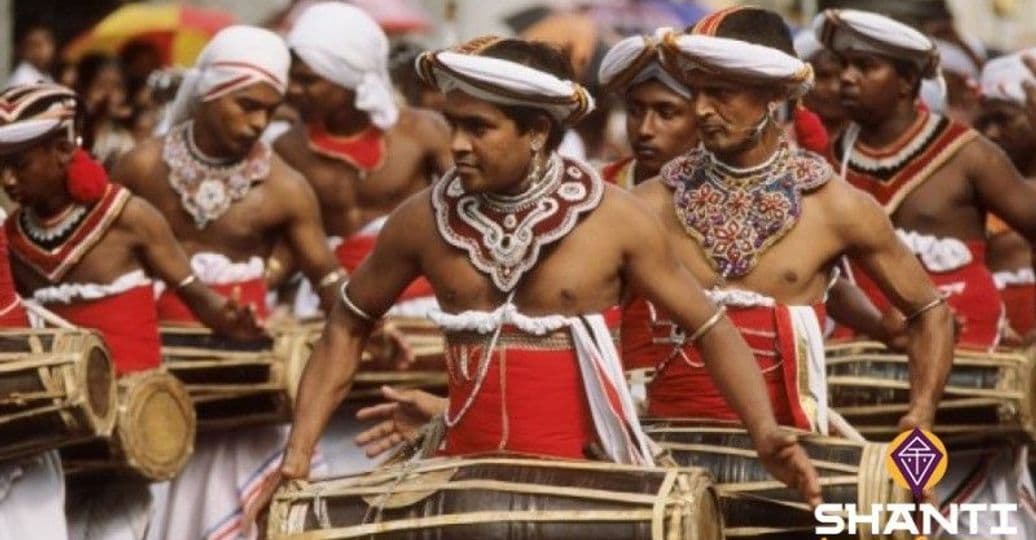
987 393
756 505
154 431
57 387
233 383
501 497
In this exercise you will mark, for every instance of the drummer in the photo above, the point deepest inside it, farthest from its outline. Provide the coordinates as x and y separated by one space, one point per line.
532 364
362 154
229 200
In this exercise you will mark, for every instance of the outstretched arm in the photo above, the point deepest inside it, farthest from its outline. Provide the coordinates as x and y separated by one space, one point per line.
873 244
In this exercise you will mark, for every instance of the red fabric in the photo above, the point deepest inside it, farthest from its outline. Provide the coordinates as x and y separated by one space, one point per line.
355 249
610 172
128 322
970 293
15 316
809 130
638 347
86 178
680 390
252 292
365 150
1020 304
541 401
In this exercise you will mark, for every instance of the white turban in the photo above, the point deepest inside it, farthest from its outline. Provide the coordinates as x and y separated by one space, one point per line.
954 59
852 30
237 57
54 109
506 83
806 44
344 45
757 64
637 59
1003 78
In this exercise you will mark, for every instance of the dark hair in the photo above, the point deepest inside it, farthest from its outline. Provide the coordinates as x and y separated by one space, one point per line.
908 70
89 67
403 74
540 56
759 26
32 27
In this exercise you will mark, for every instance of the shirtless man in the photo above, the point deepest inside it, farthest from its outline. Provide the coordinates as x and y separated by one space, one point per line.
509 107
1003 120
229 201
933 177
361 154
87 250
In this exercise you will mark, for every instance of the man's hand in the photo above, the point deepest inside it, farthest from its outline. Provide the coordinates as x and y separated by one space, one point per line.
895 328
237 321
388 345
781 454
401 418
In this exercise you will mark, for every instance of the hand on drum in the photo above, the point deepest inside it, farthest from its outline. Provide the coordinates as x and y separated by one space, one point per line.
401 418
781 454
238 321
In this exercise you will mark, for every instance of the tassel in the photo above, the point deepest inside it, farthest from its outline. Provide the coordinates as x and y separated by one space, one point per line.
810 131
86 178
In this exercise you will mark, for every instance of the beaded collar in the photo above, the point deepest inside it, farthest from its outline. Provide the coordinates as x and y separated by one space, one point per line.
365 151
208 187
503 235
736 214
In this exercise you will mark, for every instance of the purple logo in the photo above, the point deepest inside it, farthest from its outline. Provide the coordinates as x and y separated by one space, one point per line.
917 458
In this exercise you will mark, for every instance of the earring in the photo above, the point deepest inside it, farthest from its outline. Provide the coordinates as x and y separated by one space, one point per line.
536 145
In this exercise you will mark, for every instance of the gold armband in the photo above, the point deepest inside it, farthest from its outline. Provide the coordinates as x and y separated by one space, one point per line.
707 325
927 307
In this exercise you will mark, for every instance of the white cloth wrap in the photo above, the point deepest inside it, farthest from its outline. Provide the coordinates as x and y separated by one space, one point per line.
743 59
1003 78
599 365
809 341
344 45
218 269
954 59
1012 278
806 44
66 293
937 254
32 498
628 52
523 86
853 30
237 57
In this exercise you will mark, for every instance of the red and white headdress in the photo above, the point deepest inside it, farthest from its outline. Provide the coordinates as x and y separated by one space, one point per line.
637 59
31 112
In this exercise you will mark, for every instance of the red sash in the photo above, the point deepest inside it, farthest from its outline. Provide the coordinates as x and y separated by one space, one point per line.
12 313
128 322
1020 303
619 172
683 390
365 151
171 309
531 401
355 249
970 293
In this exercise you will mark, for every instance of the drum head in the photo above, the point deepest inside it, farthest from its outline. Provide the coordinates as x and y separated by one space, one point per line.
156 424
95 378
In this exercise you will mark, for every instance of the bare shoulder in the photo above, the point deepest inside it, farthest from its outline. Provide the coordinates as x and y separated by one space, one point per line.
289 144
285 179
425 125
981 156
140 218
625 214
655 194
411 222
138 165
846 208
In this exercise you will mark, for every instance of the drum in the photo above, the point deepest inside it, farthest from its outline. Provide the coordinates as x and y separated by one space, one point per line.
987 393
379 366
57 387
154 431
232 383
501 497
754 504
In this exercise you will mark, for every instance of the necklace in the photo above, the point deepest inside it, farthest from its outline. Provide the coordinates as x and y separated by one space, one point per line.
53 230
206 186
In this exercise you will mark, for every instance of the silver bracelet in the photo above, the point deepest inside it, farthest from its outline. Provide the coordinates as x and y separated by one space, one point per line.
707 325
927 307
351 306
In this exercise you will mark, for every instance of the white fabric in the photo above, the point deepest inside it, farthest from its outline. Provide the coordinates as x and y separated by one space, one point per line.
806 44
217 269
744 59
739 298
599 365
626 53
572 146
1003 78
27 73
934 93
937 254
66 293
809 344
954 59
116 509
27 130
1006 479
344 45
236 57
853 30
32 498
1010 278
531 87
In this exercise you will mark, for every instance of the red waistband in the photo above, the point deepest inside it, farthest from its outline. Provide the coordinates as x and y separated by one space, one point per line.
128 321
12 314
171 309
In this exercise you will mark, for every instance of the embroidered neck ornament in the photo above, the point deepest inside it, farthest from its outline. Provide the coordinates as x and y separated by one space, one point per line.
736 214
503 234
364 151
208 187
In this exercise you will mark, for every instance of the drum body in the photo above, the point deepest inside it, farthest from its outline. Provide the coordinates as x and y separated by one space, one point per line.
154 431
502 498
756 505
987 394
232 383
57 387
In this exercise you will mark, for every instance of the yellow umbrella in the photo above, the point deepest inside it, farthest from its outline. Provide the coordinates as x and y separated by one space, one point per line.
179 32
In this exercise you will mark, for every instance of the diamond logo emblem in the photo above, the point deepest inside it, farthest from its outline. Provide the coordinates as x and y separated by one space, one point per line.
917 458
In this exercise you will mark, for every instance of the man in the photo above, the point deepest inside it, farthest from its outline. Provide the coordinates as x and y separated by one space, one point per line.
85 249
935 178
36 51
229 201
659 121
824 98
362 155
1003 120
504 240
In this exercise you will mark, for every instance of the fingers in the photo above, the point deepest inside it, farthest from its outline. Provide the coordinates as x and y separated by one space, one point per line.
380 431
398 396
377 412
809 483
